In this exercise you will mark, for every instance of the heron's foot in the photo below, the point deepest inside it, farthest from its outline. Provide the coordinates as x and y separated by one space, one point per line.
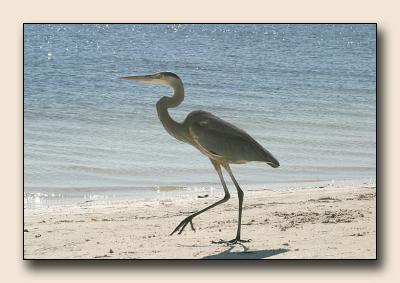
183 224
238 241
231 242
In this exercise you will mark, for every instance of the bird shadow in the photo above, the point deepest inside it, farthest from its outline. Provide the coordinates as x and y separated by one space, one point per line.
246 254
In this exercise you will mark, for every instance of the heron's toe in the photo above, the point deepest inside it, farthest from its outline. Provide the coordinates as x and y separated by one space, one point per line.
231 242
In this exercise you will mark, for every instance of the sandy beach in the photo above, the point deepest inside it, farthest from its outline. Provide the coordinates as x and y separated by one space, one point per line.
318 223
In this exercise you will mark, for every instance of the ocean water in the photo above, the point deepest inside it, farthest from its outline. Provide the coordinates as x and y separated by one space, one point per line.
307 93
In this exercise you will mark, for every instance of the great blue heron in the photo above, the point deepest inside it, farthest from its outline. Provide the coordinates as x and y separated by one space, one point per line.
222 142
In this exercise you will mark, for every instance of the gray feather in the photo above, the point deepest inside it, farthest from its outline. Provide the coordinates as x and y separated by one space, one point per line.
226 140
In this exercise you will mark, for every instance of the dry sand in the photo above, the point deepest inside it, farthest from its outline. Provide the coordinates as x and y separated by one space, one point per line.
299 223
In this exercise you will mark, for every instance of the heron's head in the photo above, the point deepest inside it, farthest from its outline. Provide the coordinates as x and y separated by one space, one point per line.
163 78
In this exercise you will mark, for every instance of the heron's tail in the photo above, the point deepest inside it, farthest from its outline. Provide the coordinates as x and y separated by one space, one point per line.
271 160
274 164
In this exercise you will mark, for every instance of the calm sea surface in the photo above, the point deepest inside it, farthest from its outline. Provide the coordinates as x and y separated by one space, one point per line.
305 92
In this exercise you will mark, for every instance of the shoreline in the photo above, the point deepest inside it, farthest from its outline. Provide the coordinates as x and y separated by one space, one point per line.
330 222
48 196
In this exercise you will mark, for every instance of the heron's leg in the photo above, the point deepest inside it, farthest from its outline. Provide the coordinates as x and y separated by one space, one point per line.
240 196
189 219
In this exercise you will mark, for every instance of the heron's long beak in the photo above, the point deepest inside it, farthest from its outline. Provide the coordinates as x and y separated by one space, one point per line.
142 79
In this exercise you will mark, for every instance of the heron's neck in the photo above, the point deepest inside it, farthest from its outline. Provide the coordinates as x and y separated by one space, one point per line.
174 128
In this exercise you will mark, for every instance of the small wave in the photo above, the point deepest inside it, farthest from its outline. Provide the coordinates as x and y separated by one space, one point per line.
329 168
167 188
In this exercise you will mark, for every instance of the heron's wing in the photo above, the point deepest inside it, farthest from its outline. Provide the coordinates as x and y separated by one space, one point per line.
225 140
